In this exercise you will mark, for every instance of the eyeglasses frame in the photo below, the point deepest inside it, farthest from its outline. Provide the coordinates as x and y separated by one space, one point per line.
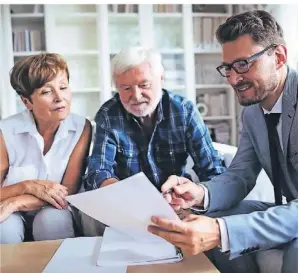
247 60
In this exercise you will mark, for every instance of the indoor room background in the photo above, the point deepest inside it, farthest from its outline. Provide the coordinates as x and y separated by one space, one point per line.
87 36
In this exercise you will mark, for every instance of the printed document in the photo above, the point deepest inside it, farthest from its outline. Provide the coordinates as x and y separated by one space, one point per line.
127 206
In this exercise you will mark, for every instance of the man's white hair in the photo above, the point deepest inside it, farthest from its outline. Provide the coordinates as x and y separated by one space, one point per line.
133 56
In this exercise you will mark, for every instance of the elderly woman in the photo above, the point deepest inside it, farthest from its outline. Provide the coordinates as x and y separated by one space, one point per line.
42 153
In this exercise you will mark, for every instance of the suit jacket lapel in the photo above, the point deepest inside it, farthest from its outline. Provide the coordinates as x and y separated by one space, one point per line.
288 114
289 102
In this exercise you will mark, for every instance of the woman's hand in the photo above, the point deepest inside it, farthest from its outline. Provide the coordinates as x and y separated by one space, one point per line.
50 192
7 208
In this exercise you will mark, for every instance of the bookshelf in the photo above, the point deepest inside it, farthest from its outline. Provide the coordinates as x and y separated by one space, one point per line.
169 38
214 98
88 36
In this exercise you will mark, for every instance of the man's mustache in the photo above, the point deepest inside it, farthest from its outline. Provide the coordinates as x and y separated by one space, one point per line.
241 84
138 102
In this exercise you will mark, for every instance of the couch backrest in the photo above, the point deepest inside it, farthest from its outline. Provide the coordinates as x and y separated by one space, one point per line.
263 190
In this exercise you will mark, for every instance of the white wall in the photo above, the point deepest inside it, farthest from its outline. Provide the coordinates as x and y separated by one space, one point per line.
1 61
287 17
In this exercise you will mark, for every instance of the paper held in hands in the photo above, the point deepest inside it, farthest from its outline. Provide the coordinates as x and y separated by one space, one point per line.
127 207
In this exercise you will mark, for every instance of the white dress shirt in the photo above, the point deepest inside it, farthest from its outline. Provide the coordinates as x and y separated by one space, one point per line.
25 147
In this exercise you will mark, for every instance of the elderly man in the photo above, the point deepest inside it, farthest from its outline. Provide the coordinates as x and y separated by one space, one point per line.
145 128
254 63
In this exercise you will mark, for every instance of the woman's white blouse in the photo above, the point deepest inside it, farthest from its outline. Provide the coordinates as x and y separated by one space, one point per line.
25 147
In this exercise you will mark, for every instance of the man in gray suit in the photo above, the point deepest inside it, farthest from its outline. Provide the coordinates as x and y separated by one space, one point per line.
254 63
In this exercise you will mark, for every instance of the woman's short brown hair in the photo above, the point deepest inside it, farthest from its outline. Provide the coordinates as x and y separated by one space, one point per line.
34 71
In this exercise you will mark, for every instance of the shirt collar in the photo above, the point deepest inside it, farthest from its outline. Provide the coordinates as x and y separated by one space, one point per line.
277 106
27 122
160 113
29 126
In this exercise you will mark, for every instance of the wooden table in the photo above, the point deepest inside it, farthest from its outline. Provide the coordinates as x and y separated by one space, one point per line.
34 256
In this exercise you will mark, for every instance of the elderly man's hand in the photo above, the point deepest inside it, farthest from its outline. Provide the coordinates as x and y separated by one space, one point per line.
194 235
185 194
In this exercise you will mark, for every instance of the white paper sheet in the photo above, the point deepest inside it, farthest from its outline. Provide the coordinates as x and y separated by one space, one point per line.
120 249
126 206
77 255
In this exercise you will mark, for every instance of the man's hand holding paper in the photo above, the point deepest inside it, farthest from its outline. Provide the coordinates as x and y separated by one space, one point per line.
195 234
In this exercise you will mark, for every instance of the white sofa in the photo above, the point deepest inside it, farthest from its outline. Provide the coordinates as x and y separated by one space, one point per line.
263 190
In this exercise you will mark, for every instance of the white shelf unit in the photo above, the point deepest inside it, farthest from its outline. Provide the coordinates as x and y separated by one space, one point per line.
214 97
87 36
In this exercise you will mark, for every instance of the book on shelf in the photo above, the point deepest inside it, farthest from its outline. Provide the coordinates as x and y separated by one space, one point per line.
27 40
37 8
213 104
217 104
242 8
222 132
219 131
28 8
215 24
205 32
210 8
205 71
122 8
166 8
196 33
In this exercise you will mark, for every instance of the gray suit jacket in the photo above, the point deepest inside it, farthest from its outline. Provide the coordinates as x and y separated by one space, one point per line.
278 224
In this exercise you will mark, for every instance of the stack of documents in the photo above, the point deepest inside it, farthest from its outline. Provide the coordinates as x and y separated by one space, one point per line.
119 249
127 207
78 255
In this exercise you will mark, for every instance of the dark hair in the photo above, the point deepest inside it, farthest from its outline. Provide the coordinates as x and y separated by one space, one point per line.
34 71
259 24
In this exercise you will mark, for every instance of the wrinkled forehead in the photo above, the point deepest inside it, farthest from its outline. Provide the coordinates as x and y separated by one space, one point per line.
241 48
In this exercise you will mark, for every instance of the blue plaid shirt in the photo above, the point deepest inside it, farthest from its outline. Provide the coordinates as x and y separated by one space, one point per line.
122 148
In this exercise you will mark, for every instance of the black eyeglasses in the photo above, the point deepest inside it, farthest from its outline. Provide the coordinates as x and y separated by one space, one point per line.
241 66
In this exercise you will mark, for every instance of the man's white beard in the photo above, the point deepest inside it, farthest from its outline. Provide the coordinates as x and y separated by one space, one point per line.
150 109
